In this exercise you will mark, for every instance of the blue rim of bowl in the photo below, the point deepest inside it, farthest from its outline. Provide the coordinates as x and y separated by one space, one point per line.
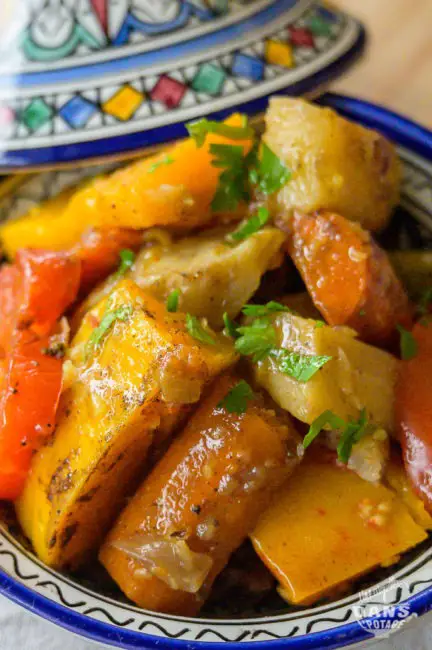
132 143
417 139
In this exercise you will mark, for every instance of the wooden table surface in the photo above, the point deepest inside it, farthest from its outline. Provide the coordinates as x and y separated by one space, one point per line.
397 68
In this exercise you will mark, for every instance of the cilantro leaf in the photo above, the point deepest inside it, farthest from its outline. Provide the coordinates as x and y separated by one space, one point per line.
127 259
165 160
408 344
299 366
425 302
319 324
251 226
264 310
201 128
327 417
232 186
173 300
256 340
352 433
121 313
236 401
230 326
270 172
197 331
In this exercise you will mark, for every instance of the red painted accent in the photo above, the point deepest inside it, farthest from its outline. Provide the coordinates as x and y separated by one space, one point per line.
100 7
169 91
301 37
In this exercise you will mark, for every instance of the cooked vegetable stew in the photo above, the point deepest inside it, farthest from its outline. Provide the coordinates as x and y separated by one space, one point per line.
213 374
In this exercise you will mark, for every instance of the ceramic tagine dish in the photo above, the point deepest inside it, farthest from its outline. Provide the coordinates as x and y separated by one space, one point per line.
90 79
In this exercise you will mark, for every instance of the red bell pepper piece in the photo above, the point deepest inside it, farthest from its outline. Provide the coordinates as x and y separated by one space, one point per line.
414 412
34 293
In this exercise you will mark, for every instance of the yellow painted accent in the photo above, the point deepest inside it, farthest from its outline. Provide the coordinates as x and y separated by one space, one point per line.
278 53
124 103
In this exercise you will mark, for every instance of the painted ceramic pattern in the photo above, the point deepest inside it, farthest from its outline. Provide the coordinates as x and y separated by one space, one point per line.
91 71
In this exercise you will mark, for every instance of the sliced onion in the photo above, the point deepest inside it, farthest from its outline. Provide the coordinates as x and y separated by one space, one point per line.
169 560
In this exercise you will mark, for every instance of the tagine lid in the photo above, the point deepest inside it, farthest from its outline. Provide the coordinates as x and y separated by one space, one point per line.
85 80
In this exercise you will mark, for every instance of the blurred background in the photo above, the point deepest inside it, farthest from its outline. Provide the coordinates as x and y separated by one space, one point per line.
397 68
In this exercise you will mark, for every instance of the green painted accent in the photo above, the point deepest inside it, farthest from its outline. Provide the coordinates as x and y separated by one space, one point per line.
209 79
36 114
79 35
318 26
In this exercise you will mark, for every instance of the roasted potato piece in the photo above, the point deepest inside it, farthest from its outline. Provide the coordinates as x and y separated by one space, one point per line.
414 268
212 277
336 164
199 503
358 375
348 276
173 189
122 392
327 526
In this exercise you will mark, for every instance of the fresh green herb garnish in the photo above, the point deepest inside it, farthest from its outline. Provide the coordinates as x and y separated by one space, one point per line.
121 313
166 160
362 312
236 401
269 173
232 187
201 128
319 324
230 326
299 366
408 344
327 417
127 259
351 432
173 301
258 311
425 302
197 331
256 340
251 226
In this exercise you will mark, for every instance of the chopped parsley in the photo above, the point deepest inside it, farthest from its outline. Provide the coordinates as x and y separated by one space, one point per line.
351 432
200 129
173 301
256 340
301 367
121 313
232 186
236 401
319 324
230 326
165 160
197 331
251 226
408 344
258 311
269 173
425 302
127 259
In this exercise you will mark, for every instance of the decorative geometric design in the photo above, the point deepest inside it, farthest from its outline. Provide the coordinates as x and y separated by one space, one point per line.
124 103
36 114
301 37
251 67
209 79
77 111
319 25
168 95
278 53
169 91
